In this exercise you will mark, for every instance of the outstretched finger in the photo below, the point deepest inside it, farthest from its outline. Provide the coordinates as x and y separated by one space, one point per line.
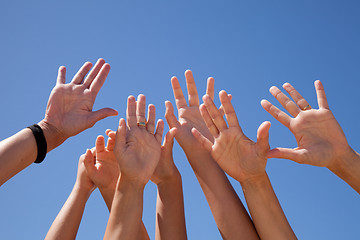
214 113
94 72
169 140
178 94
229 110
159 130
208 121
321 96
203 140
210 87
221 108
111 143
61 75
140 110
191 87
299 100
170 116
100 144
286 102
131 112
89 163
276 113
79 76
110 132
99 80
150 124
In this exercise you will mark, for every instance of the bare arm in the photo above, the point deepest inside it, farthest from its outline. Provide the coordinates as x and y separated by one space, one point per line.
170 217
104 171
321 141
230 215
137 150
245 161
69 112
66 224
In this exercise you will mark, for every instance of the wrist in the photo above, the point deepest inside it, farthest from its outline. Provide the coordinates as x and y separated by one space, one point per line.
125 184
52 135
345 161
82 190
254 180
175 178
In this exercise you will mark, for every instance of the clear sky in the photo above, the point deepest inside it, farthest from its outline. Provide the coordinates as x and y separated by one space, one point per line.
247 46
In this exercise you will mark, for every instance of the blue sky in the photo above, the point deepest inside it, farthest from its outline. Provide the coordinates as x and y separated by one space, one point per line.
247 46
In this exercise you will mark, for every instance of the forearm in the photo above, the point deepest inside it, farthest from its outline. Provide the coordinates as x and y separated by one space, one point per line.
66 223
267 214
20 150
16 153
229 213
170 217
126 211
348 169
108 196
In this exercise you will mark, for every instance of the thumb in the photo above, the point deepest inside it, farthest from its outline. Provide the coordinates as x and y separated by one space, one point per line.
286 153
169 140
263 137
101 114
120 138
203 140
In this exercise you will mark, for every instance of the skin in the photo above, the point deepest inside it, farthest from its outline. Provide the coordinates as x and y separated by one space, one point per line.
170 217
245 161
321 141
104 171
230 215
137 151
66 223
69 112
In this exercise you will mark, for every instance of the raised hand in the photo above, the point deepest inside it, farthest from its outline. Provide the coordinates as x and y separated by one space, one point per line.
137 151
221 196
189 115
103 169
70 106
137 148
83 181
170 217
166 169
235 153
245 161
321 141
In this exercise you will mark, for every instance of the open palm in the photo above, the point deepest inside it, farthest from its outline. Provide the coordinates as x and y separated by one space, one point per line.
319 136
137 148
69 109
235 153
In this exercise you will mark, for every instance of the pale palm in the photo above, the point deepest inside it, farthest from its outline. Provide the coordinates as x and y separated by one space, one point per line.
235 153
319 137
69 109
137 149
189 114
140 155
